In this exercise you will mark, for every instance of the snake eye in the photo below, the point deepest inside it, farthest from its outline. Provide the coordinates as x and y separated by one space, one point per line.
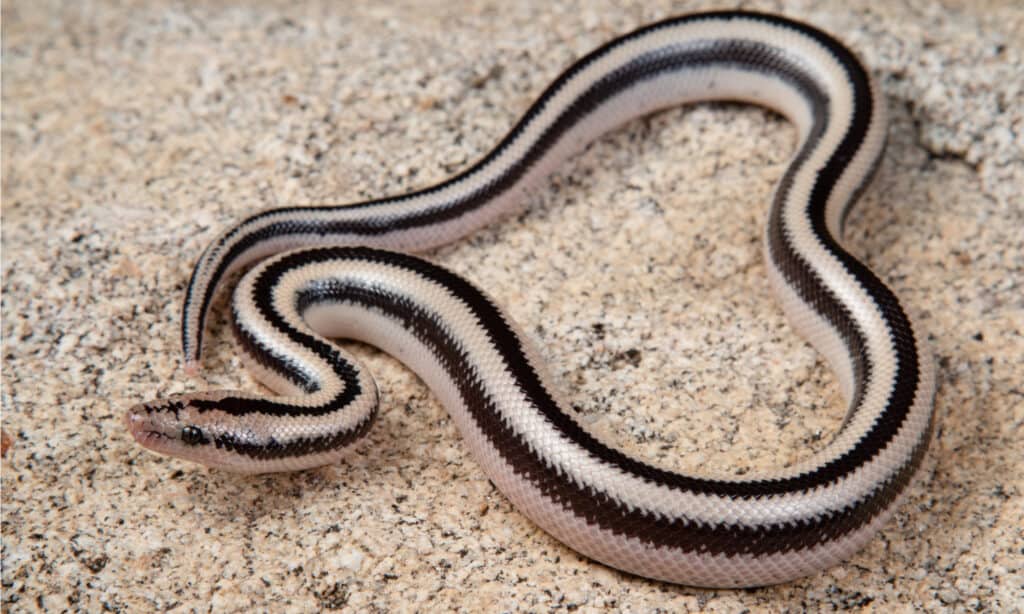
192 435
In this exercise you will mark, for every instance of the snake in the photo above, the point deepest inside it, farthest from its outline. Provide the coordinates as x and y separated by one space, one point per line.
318 273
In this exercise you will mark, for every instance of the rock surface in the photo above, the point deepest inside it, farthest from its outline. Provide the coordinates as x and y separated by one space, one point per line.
134 132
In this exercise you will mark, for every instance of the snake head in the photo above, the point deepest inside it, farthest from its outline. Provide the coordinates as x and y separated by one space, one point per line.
220 430
179 426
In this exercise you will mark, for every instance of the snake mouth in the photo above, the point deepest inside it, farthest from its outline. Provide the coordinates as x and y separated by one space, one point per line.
146 431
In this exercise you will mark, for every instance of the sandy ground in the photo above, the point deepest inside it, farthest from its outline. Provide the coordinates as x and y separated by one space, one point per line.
134 131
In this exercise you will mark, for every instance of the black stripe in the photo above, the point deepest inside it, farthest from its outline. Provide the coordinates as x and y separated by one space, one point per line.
592 506
503 337
699 54
346 370
270 359
301 446
597 507
805 282
812 291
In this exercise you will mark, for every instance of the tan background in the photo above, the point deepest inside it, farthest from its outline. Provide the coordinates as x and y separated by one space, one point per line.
133 132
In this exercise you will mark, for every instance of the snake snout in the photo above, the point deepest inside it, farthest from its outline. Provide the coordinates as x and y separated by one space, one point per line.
149 427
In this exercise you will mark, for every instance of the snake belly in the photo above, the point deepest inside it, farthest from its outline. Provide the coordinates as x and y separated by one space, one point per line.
333 274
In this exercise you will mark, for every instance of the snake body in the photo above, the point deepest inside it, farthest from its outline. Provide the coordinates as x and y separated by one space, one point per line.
331 276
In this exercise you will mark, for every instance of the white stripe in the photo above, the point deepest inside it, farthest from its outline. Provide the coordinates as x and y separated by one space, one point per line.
557 451
568 460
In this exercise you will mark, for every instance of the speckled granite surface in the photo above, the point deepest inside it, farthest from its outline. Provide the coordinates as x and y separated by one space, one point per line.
133 132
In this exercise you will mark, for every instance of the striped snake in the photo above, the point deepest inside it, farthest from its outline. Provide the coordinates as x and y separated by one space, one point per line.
329 277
